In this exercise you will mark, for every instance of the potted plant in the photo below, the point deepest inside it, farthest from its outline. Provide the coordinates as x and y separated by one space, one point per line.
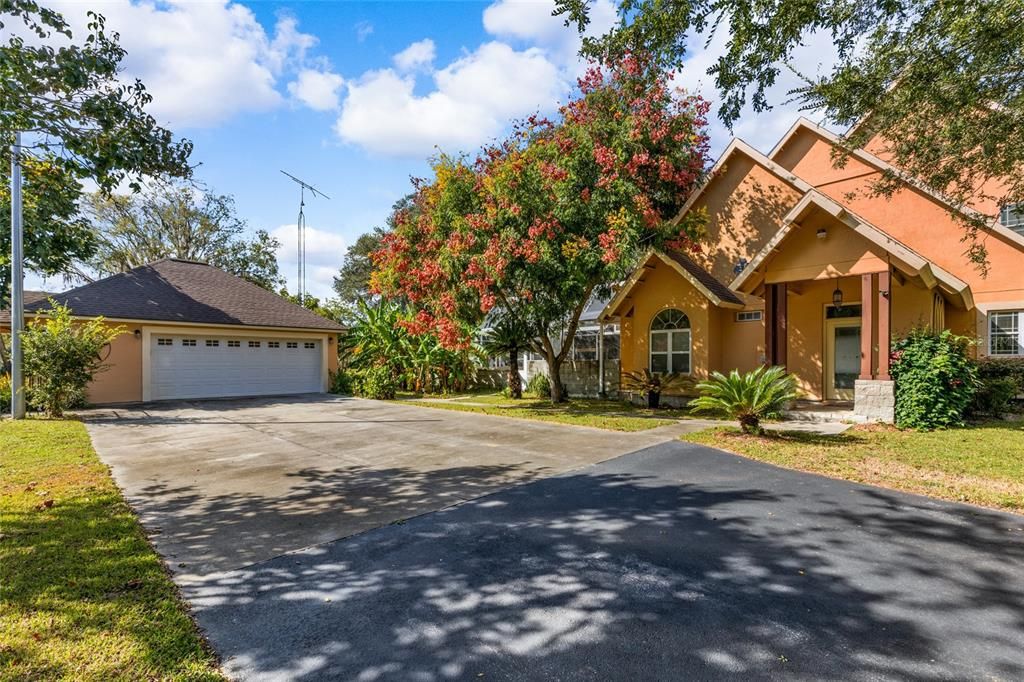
653 384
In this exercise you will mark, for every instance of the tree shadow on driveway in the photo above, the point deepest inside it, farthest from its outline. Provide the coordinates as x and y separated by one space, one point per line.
677 562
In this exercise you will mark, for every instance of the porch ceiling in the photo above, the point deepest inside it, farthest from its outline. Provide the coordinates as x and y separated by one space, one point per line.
888 251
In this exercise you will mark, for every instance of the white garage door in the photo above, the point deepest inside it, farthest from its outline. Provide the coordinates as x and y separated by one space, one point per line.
224 366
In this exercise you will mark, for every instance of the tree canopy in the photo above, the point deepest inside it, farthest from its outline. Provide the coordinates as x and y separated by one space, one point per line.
178 220
80 122
940 81
534 225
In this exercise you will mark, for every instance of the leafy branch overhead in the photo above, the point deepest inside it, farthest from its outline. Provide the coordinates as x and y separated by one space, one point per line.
935 86
81 122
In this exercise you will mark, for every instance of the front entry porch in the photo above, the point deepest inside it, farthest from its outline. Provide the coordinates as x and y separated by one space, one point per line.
836 290
834 335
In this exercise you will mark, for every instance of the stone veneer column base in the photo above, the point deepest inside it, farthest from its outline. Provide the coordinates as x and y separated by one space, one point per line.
875 400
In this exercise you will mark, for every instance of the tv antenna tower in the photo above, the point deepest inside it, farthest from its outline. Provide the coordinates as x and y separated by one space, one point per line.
301 230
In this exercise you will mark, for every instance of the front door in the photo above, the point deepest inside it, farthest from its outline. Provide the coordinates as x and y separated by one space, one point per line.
842 357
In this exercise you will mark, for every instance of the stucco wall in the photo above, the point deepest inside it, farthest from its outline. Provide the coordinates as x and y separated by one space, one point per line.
665 288
911 216
745 205
121 382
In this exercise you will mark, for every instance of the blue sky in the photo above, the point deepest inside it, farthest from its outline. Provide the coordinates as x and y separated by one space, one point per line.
354 97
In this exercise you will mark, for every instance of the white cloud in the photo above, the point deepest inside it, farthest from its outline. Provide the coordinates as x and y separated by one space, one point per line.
318 90
364 30
473 99
203 62
532 22
417 55
325 251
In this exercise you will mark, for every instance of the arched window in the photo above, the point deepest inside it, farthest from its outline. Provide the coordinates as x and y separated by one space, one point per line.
670 342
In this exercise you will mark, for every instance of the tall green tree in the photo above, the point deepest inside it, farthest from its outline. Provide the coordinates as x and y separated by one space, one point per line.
178 220
352 283
541 221
80 121
941 81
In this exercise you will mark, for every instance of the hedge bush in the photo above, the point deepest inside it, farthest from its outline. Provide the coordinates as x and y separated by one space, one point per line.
5 393
1003 368
936 379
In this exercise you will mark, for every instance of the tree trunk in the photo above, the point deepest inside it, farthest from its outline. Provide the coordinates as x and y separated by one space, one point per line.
515 383
555 378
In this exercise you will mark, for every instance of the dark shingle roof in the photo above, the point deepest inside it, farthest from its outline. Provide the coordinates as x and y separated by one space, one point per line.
723 292
29 297
173 290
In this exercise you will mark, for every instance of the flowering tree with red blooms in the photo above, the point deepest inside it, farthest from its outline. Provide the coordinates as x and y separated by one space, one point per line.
558 211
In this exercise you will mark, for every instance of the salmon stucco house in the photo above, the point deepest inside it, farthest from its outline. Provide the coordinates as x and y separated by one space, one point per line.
195 331
803 267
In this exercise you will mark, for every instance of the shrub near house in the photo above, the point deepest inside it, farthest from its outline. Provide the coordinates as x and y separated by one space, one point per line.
936 379
62 357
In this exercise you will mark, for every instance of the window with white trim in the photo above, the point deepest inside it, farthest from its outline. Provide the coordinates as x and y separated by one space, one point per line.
292 344
254 344
234 344
748 316
164 342
1012 216
188 342
212 343
670 342
273 344
1006 332
309 344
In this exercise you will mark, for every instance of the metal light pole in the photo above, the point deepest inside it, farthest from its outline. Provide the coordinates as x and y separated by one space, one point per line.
17 284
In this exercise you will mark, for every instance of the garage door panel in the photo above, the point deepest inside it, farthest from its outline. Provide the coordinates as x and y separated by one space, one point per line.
179 370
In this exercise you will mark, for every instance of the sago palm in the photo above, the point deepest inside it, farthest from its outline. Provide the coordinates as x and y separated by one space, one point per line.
508 336
748 398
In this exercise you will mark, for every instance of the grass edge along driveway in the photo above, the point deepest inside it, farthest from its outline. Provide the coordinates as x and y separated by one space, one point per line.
82 592
981 464
612 415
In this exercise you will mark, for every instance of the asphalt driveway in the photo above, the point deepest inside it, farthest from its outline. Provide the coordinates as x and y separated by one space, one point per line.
676 562
223 484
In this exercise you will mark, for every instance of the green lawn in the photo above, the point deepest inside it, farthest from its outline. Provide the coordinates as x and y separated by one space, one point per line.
603 414
83 596
983 464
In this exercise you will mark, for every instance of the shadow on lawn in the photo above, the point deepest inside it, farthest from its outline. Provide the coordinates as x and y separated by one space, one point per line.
633 574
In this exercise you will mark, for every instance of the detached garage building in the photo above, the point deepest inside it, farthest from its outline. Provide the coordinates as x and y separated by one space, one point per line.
194 331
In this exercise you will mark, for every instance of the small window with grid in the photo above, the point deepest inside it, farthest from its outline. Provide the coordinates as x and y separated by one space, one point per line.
254 344
273 344
234 344
164 342
309 344
212 343
188 342
292 344
748 316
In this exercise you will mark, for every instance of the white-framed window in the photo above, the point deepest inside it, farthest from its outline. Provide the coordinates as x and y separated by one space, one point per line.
292 344
309 344
273 344
234 344
188 342
254 344
1006 332
212 343
670 342
1012 216
748 316
164 342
